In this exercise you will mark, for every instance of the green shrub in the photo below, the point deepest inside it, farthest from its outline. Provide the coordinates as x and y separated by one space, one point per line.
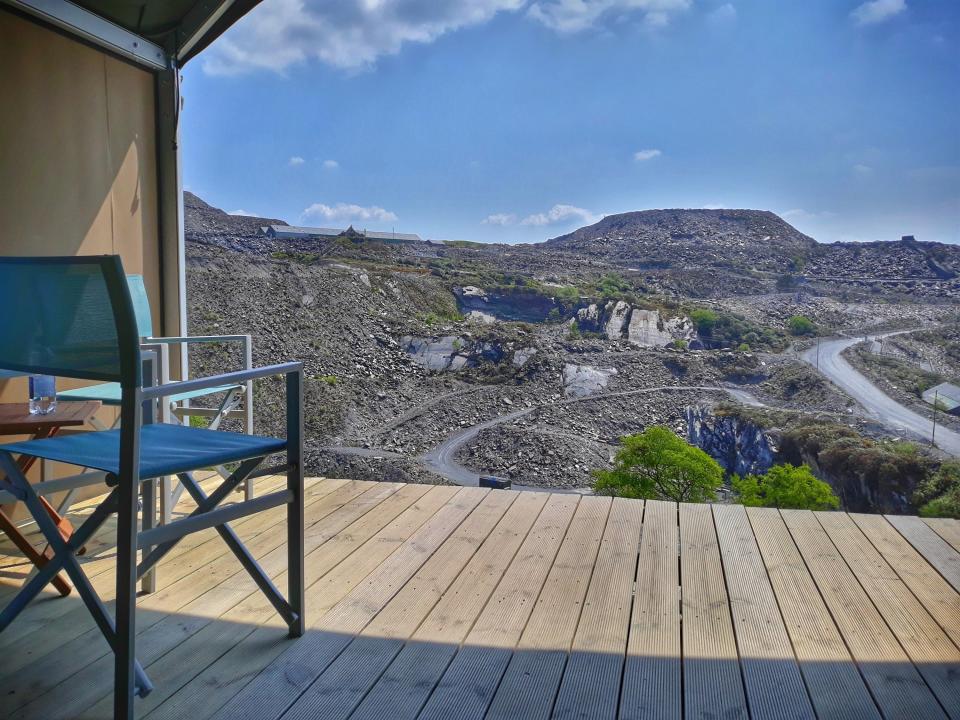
786 486
801 325
704 320
658 464
743 347
939 495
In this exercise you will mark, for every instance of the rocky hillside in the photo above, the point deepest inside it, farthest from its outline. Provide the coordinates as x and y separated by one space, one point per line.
742 239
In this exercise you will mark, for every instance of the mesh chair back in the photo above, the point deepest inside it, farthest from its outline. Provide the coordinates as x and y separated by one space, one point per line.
68 316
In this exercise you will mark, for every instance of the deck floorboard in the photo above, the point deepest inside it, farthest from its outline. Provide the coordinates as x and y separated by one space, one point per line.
441 602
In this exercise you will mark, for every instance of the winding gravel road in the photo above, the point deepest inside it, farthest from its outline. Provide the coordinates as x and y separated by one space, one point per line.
881 407
442 458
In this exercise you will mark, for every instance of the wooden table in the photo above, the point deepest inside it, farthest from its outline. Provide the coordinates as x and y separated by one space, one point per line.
15 419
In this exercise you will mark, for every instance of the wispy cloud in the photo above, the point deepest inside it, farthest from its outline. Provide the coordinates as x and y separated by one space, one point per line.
724 14
877 11
573 16
346 212
500 219
241 212
348 34
330 164
295 160
561 214
862 170
644 155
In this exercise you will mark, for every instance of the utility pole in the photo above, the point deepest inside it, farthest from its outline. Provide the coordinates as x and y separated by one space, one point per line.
936 402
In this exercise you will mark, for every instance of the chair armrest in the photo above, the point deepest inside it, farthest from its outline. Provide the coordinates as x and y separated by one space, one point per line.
231 378
188 339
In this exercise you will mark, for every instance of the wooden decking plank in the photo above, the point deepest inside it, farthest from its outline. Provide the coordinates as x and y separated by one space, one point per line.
591 680
340 688
470 680
406 684
338 564
42 614
530 682
897 687
947 528
931 589
928 543
268 695
836 688
195 653
932 652
775 688
652 673
168 618
712 681
73 641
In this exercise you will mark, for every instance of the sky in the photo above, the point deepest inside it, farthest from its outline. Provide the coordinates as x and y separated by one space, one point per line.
519 120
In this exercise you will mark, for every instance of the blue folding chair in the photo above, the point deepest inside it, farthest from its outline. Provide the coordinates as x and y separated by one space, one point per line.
177 405
73 317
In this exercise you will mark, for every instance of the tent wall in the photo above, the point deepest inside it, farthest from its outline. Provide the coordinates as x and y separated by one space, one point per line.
78 165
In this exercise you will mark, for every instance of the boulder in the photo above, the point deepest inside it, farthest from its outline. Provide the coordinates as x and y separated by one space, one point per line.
582 380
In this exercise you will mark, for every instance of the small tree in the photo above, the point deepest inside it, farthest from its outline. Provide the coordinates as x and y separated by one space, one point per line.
786 486
801 325
657 464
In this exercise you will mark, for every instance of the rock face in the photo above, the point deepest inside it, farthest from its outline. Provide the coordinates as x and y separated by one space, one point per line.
619 319
582 380
449 352
520 305
740 447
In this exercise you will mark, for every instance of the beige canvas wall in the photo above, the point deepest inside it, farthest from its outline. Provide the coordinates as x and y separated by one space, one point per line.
77 156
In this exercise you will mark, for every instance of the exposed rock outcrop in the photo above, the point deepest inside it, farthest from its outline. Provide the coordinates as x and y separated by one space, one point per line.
740 446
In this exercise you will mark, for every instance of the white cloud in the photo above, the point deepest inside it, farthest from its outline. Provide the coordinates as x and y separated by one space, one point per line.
643 155
723 14
561 214
572 16
295 160
345 212
241 212
330 164
348 34
714 206
862 170
877 11
500 219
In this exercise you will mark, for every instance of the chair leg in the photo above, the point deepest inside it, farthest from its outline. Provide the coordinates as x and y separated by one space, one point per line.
124 655
295 522
148 494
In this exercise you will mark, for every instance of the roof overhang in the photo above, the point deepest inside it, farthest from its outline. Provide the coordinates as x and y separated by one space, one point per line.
155 34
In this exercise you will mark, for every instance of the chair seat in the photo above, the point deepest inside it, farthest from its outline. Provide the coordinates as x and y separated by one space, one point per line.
110 393
164 449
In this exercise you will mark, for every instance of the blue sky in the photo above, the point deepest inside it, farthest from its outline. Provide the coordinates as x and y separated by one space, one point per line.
516 121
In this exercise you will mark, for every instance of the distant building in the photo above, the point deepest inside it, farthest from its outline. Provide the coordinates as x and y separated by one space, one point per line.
287 232
947 397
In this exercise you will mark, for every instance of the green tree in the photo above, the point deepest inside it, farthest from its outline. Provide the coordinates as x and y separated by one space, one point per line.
658 464
801 325
786 486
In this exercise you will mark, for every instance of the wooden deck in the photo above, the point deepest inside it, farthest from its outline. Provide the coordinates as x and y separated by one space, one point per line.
444 602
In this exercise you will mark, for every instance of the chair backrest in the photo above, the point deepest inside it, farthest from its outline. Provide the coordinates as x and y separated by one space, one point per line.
141 305
68 316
